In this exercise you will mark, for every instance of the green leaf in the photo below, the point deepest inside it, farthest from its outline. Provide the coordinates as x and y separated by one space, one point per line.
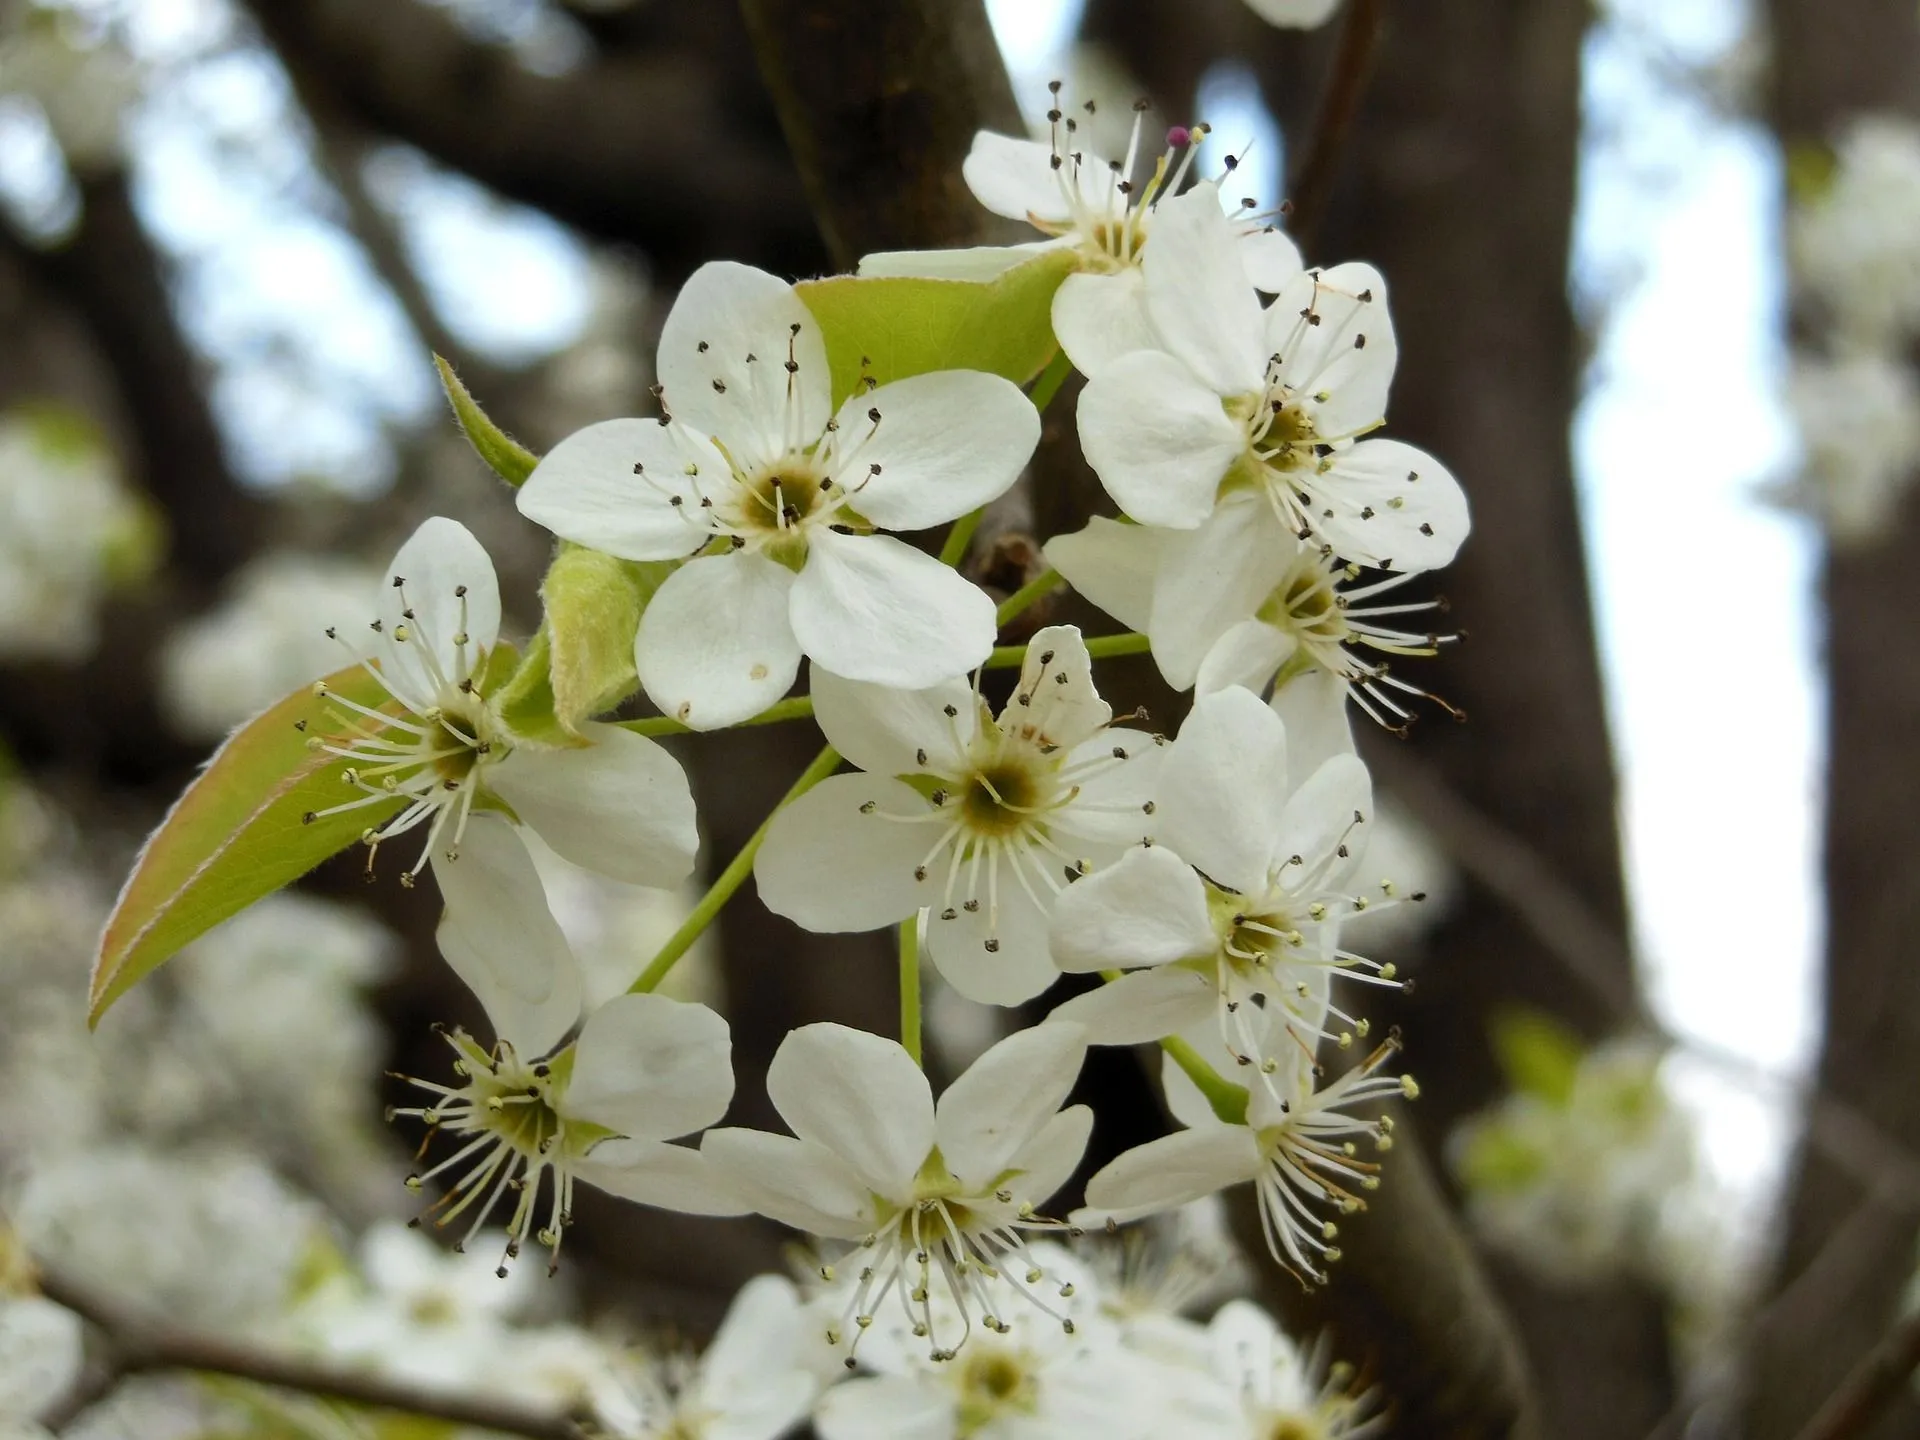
1494 1159
505 456
237 834
1539 1054
901 326
594 603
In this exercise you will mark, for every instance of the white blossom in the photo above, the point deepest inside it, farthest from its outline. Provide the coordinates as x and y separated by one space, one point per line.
260 642
983 821
1100 211
776 500
1858 419
1855 245
644 1070
40 1354
1266 403
1277 1390
934 1200
619 806
1294 1142
1238 600
1233 914
69 532
752 1382
1294 14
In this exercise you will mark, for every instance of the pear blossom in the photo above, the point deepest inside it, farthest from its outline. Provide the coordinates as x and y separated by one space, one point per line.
1858 419
620 806
751 1383
1294 1142
1044 1383
1239 600
1294 14
644 1070
776 499
1851 243
1268 403
935 1201
1098 212
1234 911
982 820
1278 1390
40 1354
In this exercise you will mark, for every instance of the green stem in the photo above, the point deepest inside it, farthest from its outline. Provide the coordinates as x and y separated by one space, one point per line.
1050 381
1229 1101
797 708
1100 647
961 536
1043 584
730 879
910 985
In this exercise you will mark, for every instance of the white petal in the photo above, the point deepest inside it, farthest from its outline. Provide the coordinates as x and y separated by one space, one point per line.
1313 706
1184 1100
449 585
42 1350
620 807
1099 318
668 1177
1344 358
793 1181
1157 438
1111 808
1113 565
1249 655
1222 788
829 868
1048 1161
1271 260
1005 1098
974 262
1394 506
946 443
885 730
531 1028
873 608
716 643
1017 178
1198 294
859 1095
1333 808
494 896
1143 1007
651 1068
1170 1171
725 313
1296 14
1149 908
887 1407
1018 969
767 1409
587 490
1055 704
1212 578
760 1332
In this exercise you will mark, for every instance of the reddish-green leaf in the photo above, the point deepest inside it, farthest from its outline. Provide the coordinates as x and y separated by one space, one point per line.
237 834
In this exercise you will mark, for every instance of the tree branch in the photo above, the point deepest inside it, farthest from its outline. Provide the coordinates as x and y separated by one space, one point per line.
645 149
880 104
1874 1383
136 1346
1346 85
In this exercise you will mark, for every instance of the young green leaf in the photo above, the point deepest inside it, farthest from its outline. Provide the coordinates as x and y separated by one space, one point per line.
237 834
505 456
593 603
889 327
1539 1055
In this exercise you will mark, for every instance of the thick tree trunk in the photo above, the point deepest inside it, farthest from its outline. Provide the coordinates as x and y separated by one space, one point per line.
1833 62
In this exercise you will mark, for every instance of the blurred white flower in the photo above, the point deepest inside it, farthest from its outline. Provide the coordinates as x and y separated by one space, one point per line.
83 83
1859 423
1576 1170
210 1239
40 1355
264 640
69 532
1854 244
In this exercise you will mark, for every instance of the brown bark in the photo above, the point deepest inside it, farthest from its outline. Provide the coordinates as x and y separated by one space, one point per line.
1833 62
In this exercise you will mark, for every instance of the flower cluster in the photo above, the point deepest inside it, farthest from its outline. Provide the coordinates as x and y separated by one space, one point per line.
1189 888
